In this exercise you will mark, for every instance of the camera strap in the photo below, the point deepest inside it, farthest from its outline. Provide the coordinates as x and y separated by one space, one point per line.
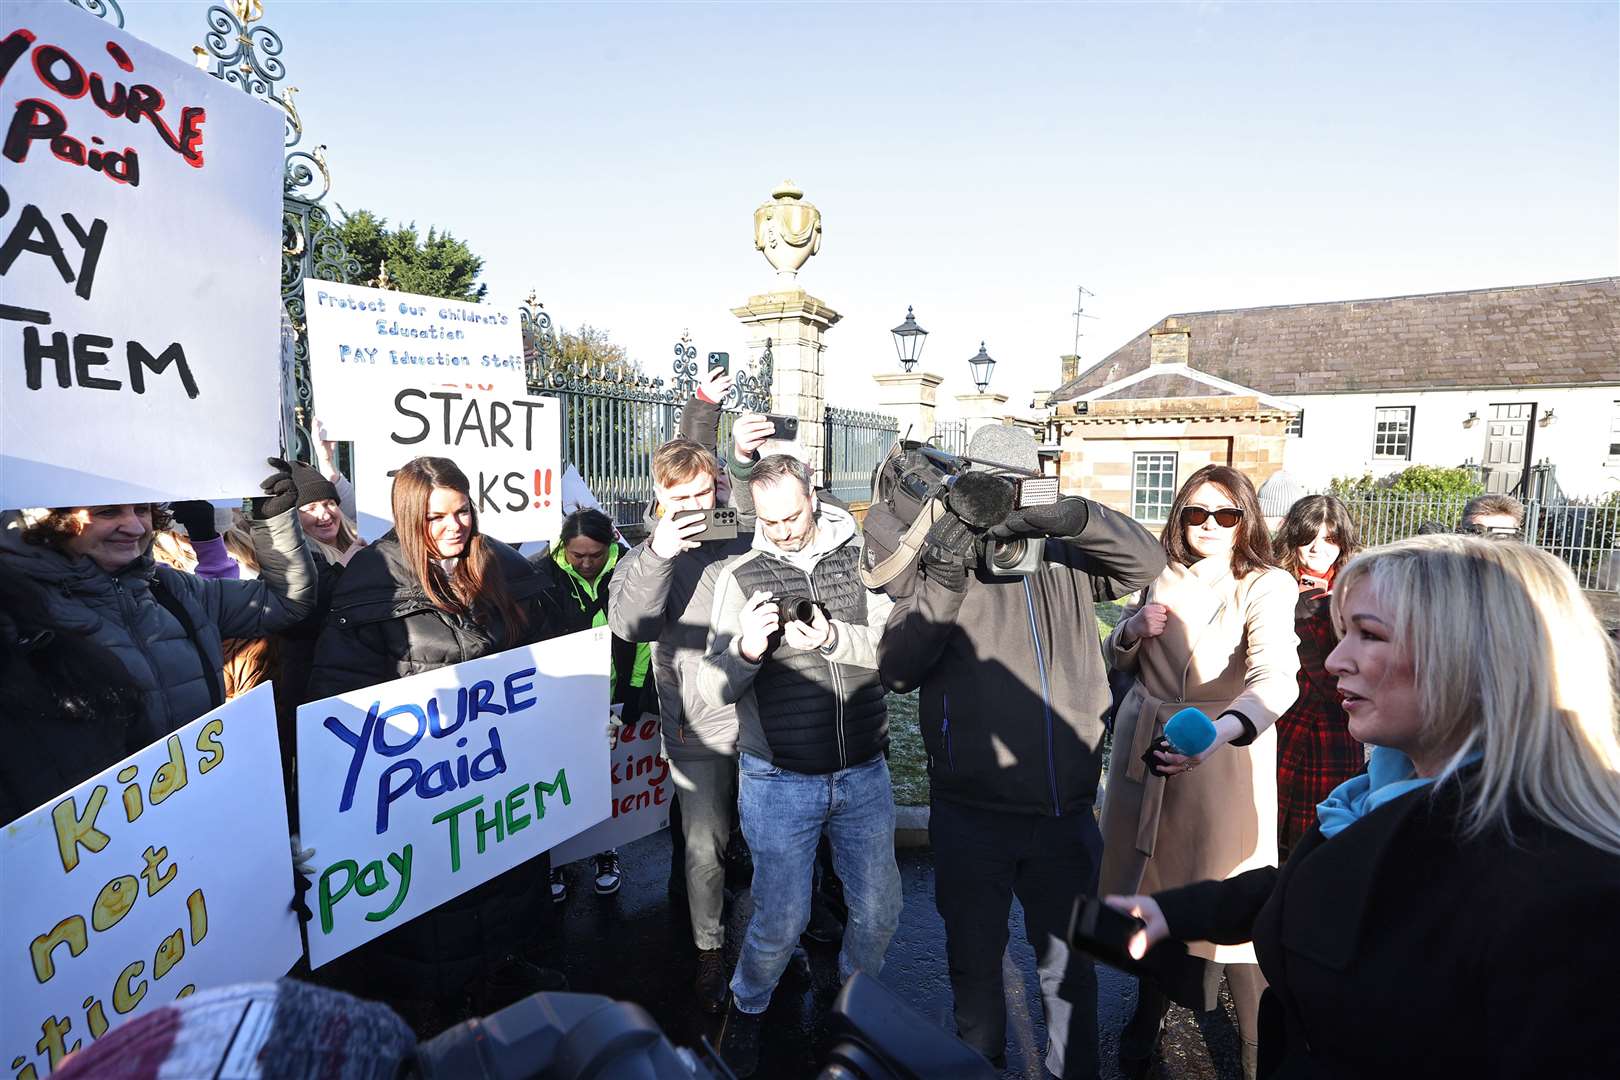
907 552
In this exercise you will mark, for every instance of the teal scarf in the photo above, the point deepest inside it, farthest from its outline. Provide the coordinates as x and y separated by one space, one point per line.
1389 775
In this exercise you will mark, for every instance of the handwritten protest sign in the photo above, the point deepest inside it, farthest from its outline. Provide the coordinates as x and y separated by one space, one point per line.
165 874
140 261
641 793
365 345
416 790
510 447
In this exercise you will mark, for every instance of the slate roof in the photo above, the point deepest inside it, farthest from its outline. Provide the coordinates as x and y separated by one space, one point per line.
1566 333
1169 385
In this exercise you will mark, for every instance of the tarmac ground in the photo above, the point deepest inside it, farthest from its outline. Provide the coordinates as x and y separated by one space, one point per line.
636 945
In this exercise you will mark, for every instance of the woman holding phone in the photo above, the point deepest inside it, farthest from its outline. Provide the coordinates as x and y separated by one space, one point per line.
1451 912
1216 633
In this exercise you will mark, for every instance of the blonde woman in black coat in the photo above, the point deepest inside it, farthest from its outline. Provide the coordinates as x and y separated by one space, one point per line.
1453 911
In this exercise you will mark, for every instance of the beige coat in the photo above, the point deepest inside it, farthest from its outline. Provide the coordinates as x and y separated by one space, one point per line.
1227 644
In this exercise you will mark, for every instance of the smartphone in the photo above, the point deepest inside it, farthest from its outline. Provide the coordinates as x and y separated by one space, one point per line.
783 427
1098 929
721 360
718 524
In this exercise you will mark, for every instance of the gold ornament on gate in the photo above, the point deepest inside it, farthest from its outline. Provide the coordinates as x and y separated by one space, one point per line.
787 230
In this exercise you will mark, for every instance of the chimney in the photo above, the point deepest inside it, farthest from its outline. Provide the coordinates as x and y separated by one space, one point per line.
1168 344
1071 368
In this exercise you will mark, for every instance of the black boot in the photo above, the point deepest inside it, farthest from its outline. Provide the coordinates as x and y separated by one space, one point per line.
739 1041
710 986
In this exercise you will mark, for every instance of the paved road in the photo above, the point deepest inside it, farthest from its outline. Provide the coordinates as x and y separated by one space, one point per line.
634 946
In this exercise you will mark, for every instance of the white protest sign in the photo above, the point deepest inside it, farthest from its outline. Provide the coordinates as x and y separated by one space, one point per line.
416 790
167 873
642 790
140 269
509 445
365 345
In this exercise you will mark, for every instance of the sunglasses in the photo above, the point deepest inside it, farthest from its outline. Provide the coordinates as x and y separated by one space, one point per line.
1226 517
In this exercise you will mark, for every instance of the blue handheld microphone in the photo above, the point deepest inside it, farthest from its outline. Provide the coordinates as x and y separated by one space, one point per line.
1190 732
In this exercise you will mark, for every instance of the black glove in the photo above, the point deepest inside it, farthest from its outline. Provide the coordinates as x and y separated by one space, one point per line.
953 536
280 495
197 515
943 566
1066 517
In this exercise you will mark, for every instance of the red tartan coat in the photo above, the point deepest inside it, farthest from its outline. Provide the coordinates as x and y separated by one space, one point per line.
1315 750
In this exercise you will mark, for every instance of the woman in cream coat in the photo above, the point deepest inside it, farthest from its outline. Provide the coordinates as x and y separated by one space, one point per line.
1216 632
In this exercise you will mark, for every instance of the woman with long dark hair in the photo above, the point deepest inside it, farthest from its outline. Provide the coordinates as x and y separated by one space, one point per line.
1315 750
432 592
1216 632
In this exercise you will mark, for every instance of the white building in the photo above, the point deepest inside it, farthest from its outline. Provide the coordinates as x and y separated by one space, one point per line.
1503 377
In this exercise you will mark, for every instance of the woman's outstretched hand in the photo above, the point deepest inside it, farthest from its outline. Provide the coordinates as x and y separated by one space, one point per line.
1147 909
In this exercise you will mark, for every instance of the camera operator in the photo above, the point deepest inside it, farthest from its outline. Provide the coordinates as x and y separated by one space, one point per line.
1013 694
793 644
660 593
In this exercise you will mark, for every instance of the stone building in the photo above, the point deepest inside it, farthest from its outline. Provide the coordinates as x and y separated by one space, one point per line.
1500 378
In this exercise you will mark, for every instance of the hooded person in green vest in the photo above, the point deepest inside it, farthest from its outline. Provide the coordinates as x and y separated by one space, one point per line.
580 565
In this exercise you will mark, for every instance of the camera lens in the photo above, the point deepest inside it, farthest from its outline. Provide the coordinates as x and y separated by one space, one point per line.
1005 556
801 610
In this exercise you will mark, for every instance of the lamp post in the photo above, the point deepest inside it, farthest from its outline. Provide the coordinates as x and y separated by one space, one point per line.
909 339
982 366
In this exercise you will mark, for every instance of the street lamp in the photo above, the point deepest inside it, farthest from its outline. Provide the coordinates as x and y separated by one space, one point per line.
909 340
982 366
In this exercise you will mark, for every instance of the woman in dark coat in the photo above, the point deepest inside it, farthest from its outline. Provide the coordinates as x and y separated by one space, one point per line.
68 709
1452 911
433 592
1315 750
578 569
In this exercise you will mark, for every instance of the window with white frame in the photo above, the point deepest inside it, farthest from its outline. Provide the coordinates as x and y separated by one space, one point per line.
1153 485
1614 433
1296 425
1392 433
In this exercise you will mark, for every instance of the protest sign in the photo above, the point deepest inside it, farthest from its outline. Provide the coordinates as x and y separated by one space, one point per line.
642 790
416 790
165 874
510 447
365 345
140 262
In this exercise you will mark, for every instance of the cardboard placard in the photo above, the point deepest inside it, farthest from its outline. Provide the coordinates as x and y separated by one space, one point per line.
365 345
416 790
166 873
510 447
140 268
642 790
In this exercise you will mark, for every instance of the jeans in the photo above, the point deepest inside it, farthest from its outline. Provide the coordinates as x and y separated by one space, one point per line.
706 790
783 814
982 858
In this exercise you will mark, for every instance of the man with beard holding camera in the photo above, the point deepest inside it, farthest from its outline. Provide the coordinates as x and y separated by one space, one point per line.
793 645
1013 695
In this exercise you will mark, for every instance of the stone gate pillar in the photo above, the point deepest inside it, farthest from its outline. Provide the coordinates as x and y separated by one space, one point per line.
787 231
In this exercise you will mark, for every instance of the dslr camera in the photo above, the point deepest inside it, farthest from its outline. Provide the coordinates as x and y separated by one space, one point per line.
793 608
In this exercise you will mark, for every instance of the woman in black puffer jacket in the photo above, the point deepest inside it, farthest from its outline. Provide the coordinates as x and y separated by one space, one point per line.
431 593
68 709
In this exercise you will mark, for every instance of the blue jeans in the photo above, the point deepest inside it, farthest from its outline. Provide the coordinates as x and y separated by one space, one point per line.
783 814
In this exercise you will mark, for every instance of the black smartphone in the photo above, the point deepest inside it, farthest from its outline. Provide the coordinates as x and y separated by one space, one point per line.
718 524
721 360
783 427
1098 929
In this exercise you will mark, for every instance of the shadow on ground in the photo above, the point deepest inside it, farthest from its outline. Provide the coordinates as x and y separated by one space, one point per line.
636 945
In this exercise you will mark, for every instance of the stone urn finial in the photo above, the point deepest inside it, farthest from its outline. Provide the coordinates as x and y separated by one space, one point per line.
787 230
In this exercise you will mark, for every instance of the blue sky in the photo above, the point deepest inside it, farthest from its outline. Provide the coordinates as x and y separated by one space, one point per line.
976 161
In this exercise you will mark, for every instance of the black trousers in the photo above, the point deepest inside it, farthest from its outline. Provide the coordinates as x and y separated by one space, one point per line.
982 859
